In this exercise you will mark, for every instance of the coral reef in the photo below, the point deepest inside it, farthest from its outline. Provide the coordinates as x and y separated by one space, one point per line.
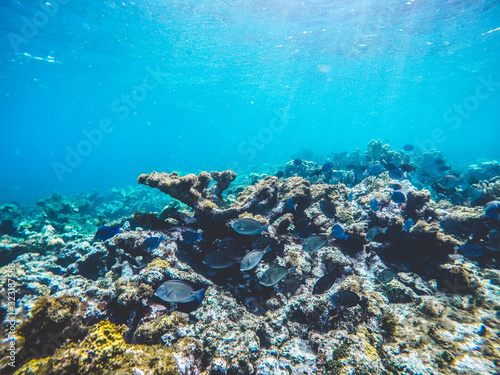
89 306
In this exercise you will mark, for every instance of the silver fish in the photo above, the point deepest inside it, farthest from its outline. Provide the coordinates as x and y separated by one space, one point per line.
253 258
249 227
177 291
218 259
275 274
314 243
385 276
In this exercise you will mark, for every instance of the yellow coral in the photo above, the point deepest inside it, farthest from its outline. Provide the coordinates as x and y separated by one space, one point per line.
255 217
162 263
371 352
32 367
106 340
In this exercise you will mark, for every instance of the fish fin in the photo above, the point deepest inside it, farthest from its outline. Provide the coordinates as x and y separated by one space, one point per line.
266 228
199 295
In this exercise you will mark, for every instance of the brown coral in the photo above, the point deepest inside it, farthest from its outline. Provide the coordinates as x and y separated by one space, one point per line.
189 189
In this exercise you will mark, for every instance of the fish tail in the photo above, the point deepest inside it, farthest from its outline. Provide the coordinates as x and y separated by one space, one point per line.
199 295
363 303
199 237
292 269
266 228
346 237
267 249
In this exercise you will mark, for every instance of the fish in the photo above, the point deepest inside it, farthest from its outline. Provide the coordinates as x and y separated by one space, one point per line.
395 186
152 243
471 250
275 274
396 174
316 173
314 243
492 210
398 197
303 223
494 240
374 204
229 245
374 232
443 168
177 291
304 232
327 167
389 166
105 233
263 242
408 147
448 182
249 227
219 259
376 169
189 236
290 204
346 298
385 276
324 283
338 232
253 258
280 174
473 193
297 161
328 208
408 224
407 167
290 285
457 198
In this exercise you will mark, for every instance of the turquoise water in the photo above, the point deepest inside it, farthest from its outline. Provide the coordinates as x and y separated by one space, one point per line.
94 94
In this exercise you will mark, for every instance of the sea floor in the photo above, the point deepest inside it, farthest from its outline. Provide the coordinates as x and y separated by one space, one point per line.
402 276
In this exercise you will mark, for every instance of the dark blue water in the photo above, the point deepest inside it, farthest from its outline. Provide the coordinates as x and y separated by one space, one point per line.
95 93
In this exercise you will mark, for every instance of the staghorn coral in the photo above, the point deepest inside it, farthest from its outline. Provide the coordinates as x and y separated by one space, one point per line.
260 197
223 179
189 189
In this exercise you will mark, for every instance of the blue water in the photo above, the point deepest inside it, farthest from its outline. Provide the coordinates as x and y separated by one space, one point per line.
205 85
